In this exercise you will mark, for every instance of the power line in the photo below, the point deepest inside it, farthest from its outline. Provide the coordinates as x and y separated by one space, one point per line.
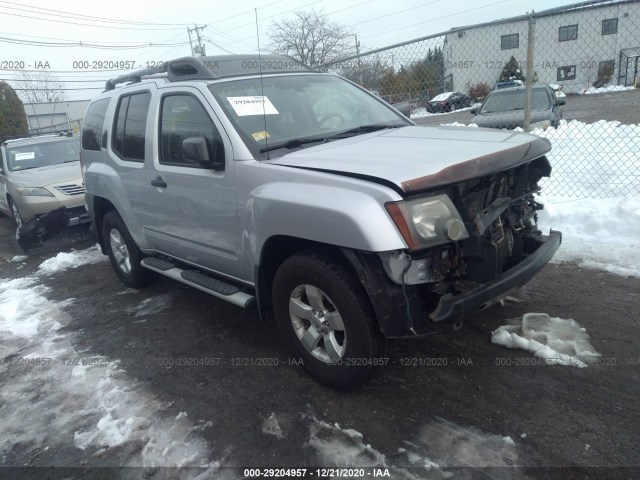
34 43
434 19
80 16
86 24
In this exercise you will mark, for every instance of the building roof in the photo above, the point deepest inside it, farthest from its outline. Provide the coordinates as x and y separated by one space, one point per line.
590 5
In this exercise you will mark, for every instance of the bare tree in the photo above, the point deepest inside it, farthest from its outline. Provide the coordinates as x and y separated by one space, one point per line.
311 38
39 87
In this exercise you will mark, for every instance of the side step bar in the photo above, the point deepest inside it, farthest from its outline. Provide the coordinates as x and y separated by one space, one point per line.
199 280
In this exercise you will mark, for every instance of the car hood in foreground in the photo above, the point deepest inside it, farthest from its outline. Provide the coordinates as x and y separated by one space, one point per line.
43 176
416 159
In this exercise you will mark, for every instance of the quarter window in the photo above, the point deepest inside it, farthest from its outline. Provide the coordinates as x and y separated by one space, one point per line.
93 124
609 26
130 125
570 32
183 116
566 73
510 41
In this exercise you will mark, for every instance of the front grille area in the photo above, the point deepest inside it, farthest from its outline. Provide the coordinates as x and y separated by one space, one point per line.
71 189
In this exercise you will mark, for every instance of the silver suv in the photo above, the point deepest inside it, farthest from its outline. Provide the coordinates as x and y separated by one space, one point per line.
272 186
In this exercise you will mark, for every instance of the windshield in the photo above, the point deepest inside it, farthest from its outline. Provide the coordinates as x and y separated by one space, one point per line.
281 109
505 101
43 154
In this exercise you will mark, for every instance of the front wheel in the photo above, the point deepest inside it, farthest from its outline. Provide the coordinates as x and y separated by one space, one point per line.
124 254
325 318
16 213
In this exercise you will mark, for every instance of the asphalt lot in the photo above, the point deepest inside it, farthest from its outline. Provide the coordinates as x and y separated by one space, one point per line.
563 422
621 106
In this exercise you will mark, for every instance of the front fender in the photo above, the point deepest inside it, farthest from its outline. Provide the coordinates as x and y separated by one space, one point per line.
331 215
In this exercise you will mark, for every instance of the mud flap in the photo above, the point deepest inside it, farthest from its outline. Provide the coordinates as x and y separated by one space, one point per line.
50 232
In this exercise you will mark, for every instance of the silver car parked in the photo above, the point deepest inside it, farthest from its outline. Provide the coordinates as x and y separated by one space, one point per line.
504 108
40 174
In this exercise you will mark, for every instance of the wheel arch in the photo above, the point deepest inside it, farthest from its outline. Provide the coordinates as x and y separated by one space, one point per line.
100 207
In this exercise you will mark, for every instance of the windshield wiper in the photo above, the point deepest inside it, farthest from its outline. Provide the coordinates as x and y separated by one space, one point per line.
293 143
364 129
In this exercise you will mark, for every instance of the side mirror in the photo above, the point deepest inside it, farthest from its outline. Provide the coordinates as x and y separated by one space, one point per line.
473 111
560 101
195 150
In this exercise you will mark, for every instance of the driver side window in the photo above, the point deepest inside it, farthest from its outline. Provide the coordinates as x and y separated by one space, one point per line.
183 116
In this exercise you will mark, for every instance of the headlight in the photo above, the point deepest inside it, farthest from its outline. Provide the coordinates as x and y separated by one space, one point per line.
34 192
427 222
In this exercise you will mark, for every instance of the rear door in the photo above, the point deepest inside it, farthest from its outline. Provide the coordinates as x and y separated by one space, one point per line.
3 184
195 206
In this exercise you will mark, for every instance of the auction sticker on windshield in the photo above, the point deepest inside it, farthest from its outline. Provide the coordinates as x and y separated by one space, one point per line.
25 156
257 105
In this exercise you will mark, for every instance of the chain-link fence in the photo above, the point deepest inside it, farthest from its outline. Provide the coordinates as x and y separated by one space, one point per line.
570 74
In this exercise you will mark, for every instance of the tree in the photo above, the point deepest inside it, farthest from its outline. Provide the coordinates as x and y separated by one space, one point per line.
39 87
365 72
13 119
311 38
511 71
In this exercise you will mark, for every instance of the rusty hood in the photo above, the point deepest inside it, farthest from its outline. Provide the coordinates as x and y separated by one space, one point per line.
417 159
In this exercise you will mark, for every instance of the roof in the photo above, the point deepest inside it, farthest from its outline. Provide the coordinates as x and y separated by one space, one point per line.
589 5
213 67
29 139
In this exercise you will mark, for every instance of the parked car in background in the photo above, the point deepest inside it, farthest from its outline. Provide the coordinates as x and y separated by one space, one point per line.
40 174
397 102
508 84
505 108
448 102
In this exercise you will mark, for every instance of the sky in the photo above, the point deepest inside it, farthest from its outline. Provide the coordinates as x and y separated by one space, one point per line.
132 34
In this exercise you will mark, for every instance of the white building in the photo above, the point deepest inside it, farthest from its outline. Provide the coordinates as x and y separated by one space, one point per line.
54 116
572 44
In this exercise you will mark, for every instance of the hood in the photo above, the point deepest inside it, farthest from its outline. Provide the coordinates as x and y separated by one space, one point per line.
416 159
511 119
51 175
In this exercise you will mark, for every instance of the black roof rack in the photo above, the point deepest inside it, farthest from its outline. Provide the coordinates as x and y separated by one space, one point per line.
214 67
186 68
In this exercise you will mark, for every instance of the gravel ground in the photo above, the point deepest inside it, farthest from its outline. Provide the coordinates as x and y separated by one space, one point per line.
446 397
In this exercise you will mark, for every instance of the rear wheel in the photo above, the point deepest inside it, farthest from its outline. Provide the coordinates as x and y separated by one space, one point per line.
124 254
16 213
326 319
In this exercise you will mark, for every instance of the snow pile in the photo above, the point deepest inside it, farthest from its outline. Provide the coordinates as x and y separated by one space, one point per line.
556 340
609 88
598 160
49 375
601 233
438 445
270 426
64 261
151 306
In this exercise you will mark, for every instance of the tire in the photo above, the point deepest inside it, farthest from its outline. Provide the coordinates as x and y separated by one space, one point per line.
124 254
15 212
319 302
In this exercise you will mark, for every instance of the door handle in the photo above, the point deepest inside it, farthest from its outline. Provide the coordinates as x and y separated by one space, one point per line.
159 182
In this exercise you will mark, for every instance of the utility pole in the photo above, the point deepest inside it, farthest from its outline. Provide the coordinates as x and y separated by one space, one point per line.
198 50
359 60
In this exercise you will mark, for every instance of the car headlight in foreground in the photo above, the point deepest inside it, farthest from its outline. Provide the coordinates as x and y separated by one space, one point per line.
427 222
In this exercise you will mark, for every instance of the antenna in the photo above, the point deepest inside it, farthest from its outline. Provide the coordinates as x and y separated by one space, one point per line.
264 114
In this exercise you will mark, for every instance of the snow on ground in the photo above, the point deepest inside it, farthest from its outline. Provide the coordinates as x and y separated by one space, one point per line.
151 306
608 88
590 195
437 446
54 394
66 260
557 341
422 111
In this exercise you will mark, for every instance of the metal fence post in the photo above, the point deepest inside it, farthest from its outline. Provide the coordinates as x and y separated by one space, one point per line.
530 71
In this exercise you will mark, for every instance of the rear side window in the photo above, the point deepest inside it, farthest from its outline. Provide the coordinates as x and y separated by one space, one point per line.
93 124
130 125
